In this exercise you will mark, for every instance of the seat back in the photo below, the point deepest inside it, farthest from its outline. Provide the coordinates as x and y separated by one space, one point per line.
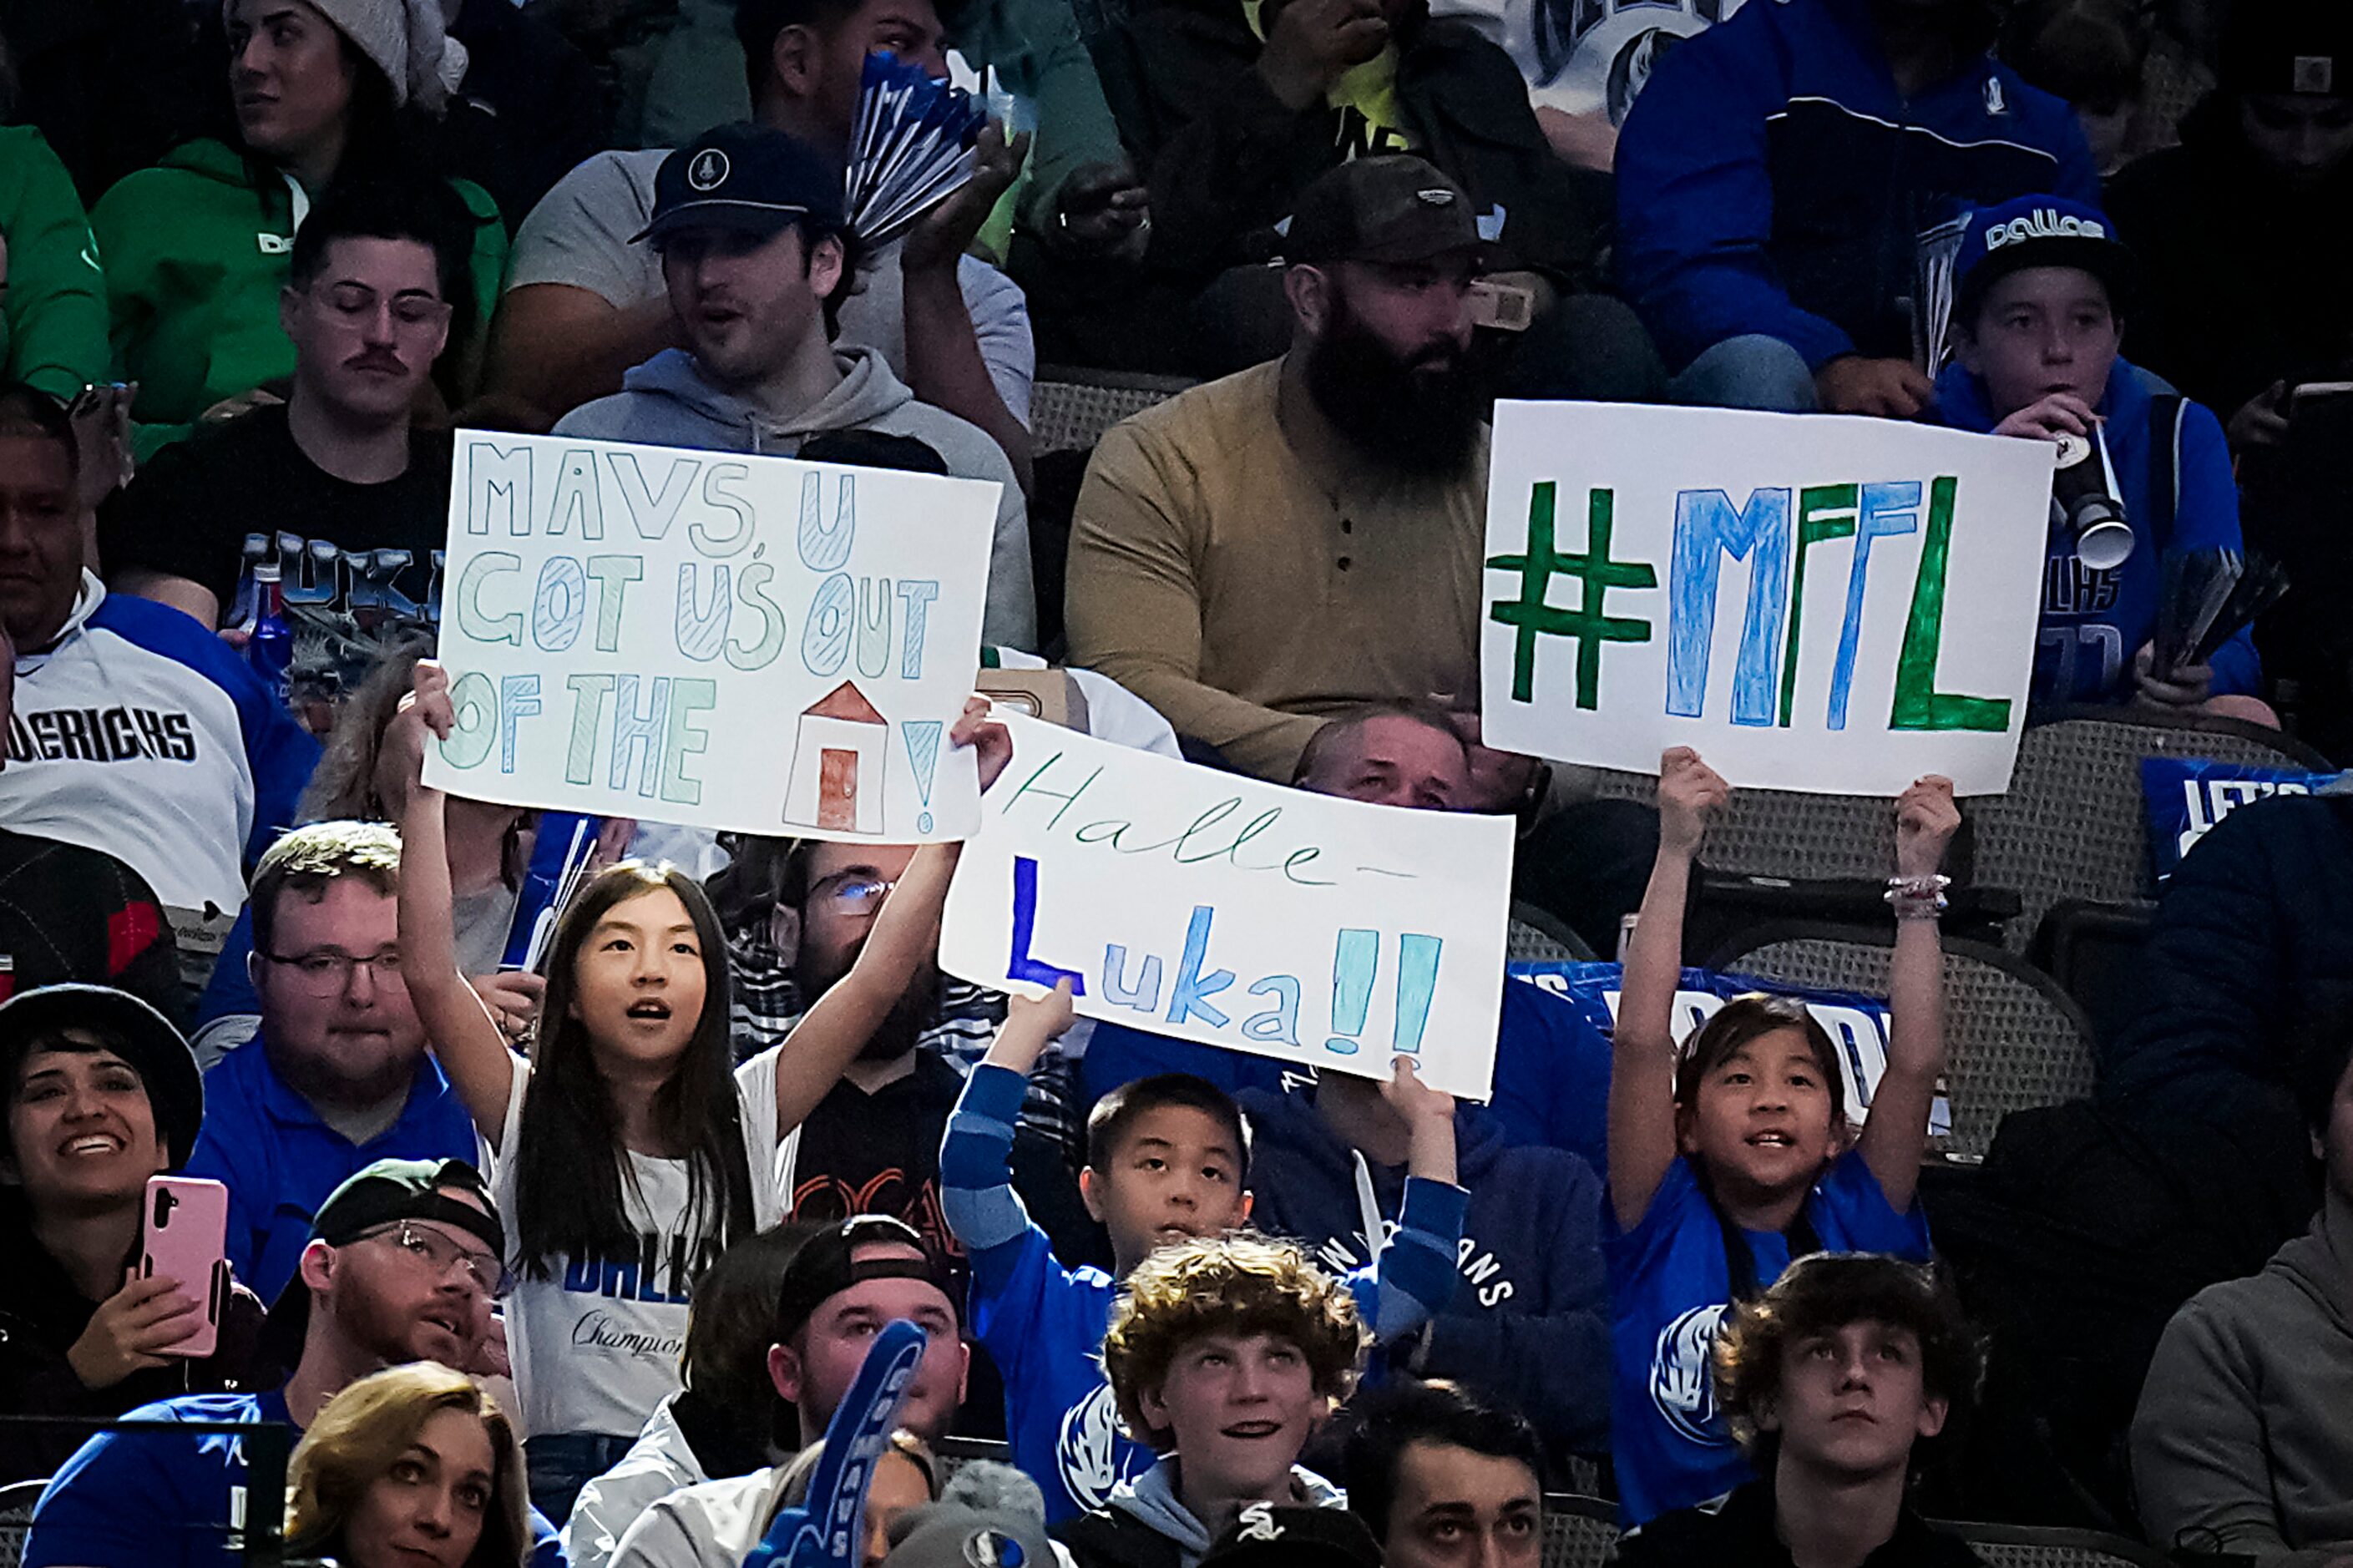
1071 409
16 1500
2074 826
1578 1532
1785 833
1536 936
2014 1040
2036 1546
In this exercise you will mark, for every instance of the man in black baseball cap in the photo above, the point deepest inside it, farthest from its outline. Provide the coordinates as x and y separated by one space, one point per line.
755 255
846 1282
1384 253
403 1263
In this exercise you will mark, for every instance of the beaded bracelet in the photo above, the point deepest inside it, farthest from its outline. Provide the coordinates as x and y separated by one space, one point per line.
1917 898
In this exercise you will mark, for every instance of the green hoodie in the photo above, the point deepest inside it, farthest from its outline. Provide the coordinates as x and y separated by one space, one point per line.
53 315
196 257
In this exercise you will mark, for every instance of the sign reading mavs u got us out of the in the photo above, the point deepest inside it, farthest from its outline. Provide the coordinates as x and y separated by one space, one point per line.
1196 903
1814 603
711 638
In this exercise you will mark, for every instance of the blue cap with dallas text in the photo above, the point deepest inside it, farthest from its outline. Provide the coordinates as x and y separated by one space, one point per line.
2040 231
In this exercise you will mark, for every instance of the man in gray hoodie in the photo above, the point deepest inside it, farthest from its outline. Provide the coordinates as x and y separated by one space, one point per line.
756 256
2243 1441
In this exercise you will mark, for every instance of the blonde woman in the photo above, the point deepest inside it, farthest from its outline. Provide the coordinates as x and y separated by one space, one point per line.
412 1467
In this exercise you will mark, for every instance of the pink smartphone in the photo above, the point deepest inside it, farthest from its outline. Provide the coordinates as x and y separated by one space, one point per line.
184 1237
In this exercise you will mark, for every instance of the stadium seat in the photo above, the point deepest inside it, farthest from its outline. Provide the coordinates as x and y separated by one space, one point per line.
16 1502
2034 1546
2073 824
1071 409
2015 1039
1538 936
1578 1532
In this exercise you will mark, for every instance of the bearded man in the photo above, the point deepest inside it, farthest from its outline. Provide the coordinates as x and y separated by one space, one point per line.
1303 538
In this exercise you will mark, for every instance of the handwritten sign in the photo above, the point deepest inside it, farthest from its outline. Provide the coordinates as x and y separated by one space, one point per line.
726 641
1199 904
1814 603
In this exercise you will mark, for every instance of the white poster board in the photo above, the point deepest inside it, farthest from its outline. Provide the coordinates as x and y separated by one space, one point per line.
725 641
1811 602
1318 932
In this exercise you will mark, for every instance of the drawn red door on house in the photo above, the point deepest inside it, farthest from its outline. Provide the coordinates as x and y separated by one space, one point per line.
836 789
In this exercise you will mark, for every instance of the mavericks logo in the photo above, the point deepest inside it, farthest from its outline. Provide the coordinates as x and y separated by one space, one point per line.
1086 1449
1683 1381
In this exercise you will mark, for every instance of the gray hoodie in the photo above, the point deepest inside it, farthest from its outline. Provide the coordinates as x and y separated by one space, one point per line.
665 402
2243 1441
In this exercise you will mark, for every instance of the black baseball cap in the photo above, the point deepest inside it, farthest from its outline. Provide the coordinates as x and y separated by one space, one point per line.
826 1265
1282 1535
1393 208
385 1193
748 178
131 1029
2300 46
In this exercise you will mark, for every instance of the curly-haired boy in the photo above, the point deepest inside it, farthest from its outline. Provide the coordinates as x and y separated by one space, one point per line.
1229 1352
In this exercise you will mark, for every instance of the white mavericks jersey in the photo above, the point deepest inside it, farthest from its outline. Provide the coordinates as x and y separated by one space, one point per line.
141 733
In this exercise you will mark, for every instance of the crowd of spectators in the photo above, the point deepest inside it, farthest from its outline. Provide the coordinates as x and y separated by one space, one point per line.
576 1261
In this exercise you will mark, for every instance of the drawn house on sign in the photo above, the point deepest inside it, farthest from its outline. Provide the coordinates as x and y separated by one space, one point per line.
838 761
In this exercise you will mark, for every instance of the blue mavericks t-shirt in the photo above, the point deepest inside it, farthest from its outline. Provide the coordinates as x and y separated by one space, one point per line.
1669 1286
156 1499
1044 1329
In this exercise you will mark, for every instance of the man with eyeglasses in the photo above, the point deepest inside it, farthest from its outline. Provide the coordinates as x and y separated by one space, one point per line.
339 1076
348 494
403 1264
873 1145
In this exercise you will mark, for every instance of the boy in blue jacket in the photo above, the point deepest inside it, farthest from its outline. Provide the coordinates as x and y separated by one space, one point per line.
2040 293
1167 1158
1776 175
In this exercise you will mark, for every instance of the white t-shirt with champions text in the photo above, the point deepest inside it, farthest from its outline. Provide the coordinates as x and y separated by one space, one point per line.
597 1345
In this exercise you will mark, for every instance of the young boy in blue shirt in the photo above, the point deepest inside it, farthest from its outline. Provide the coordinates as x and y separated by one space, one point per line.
1167 1158
2042 287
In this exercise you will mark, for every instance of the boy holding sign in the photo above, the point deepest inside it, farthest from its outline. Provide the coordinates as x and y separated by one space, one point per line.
1167 1162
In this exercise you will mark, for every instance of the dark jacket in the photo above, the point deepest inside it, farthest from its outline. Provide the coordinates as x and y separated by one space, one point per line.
2244 280
1772 179
1225 160
2253 940
41 1316
1739 1533
1529 1323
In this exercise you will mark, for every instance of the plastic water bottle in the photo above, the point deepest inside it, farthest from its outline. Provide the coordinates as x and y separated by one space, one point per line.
243 610
270 648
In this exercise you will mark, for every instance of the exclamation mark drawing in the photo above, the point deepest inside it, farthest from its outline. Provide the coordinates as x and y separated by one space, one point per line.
1356 963
1417 980
921 738
1353 964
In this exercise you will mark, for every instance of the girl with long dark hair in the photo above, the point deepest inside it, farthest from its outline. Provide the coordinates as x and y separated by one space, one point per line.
628 1150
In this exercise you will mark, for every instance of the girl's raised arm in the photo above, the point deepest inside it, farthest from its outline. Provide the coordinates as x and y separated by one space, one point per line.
458 1026
1642 1053
1895 1134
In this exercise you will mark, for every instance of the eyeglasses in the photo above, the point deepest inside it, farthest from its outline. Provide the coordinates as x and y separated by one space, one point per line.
327 973
851 894
355 304
445 1258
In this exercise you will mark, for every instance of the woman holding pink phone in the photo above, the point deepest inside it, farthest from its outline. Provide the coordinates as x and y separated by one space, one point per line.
102 1094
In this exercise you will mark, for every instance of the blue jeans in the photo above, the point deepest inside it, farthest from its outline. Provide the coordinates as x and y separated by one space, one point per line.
1750 372
558 1464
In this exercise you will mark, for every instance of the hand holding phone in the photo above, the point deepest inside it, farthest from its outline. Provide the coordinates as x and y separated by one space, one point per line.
184 1240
